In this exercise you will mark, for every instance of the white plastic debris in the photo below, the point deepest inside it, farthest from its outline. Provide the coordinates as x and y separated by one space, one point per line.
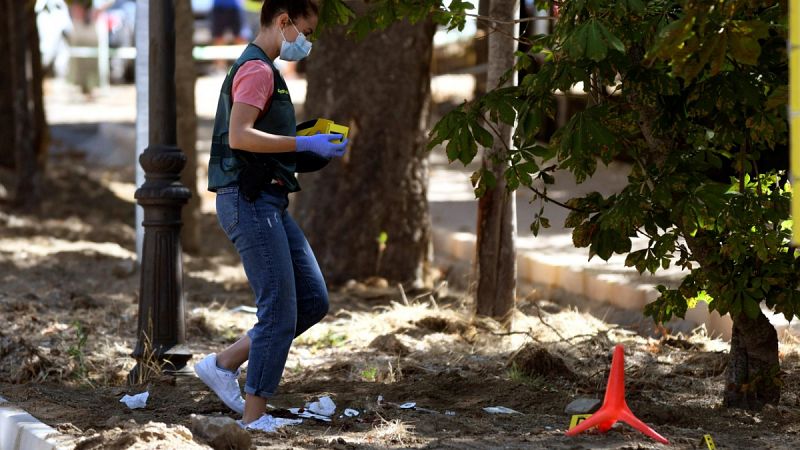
323 407
409 405
136 401
380 399
500 410
301 412
245 309
449 413
351 412
269 424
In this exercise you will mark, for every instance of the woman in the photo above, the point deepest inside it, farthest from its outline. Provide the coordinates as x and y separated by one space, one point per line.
254 156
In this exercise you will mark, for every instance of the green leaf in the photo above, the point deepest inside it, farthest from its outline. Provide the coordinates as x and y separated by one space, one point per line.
612 40
622 245
483 180
507 113
575 218
333 12
758 29
719 56
582 235
670 303
475 178
744 48
751 308
535 227
635 6
360 28
545 152
636 259
596 48
483 137
512 180
576 43
453 152
545 222
468 148
604 244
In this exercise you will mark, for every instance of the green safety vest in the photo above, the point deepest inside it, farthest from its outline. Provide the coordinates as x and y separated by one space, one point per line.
226 163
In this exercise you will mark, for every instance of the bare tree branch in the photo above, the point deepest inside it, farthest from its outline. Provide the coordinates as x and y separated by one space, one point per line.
509 22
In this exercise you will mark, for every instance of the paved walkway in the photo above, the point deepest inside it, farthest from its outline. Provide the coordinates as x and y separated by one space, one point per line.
103 126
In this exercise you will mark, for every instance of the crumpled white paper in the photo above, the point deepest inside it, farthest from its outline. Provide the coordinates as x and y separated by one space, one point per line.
323 407
500 410
136 401
269 424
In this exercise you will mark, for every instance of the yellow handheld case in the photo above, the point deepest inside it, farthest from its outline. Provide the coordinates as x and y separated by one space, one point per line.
311 162
323 126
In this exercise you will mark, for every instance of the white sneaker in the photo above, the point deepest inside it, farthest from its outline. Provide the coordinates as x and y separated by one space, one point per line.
224 383
268 424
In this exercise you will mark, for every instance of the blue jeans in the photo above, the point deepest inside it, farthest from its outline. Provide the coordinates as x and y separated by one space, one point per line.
289 289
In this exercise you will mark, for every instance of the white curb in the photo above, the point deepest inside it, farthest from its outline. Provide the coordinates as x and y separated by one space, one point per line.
548 273
21 431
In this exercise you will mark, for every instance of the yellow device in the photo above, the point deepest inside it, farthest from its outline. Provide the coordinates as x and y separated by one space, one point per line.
323 126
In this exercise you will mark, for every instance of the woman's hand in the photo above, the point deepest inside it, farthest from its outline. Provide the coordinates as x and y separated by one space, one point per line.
322 145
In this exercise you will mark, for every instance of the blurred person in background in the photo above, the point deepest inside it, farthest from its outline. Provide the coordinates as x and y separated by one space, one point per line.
227 24
122 23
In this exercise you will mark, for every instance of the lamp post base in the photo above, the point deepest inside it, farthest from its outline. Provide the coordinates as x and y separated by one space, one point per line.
172 362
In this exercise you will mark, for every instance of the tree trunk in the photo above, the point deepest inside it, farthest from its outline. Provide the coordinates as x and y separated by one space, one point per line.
379 88
482 48
7 54
185 78
752 377
496 268
23 110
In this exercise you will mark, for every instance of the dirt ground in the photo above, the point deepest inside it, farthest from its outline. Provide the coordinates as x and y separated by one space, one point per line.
68 304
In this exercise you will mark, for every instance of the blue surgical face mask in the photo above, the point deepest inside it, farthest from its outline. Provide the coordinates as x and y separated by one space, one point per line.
297 50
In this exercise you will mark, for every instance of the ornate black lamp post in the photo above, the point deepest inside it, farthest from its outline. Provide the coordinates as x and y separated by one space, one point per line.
161 330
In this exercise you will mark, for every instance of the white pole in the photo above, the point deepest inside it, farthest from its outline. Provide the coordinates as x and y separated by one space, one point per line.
541 26
142 106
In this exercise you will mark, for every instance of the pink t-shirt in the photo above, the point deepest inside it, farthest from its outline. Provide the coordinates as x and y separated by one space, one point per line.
253 85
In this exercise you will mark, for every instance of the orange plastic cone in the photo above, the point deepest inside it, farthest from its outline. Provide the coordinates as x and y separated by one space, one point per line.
614 406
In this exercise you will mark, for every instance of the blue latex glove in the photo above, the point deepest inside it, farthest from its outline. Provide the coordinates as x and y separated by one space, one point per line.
321 145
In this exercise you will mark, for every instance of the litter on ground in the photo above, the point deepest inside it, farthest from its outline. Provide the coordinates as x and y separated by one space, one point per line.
136 401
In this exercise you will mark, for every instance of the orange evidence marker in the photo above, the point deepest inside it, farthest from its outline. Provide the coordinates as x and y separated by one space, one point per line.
614 407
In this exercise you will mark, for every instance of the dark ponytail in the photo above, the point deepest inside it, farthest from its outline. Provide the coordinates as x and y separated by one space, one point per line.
295 9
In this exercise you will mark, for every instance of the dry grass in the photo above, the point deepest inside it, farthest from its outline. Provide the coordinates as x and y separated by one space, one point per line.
149 366
391 433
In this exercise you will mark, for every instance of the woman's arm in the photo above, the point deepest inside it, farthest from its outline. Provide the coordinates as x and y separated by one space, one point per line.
242 134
